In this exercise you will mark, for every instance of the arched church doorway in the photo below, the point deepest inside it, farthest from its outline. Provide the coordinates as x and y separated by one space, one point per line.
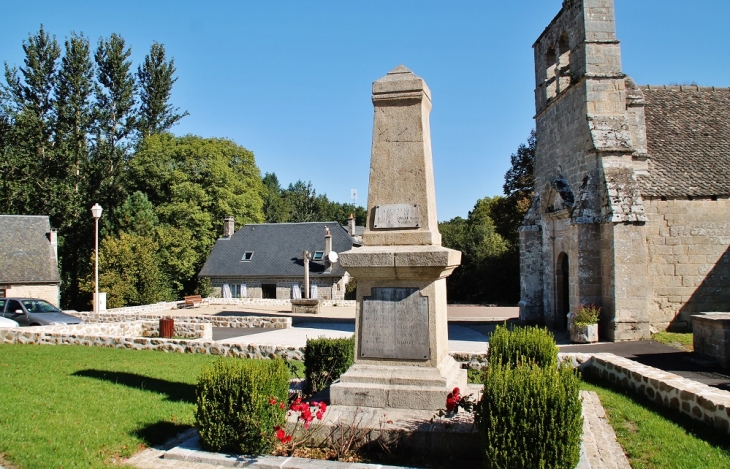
562 284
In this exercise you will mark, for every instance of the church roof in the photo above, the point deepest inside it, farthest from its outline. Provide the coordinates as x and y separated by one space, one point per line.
688 141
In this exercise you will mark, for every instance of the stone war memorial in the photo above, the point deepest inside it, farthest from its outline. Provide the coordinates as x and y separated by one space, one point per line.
401 341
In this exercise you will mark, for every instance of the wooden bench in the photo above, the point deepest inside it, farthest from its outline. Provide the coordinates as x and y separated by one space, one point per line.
192 301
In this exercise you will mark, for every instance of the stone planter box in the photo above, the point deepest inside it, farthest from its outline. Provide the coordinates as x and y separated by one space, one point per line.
583 334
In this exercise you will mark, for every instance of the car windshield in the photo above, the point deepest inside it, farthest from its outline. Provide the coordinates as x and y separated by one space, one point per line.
39 306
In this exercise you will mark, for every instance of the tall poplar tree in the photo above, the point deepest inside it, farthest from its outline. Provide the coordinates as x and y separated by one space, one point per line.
75 120
116 119
28 105
156 77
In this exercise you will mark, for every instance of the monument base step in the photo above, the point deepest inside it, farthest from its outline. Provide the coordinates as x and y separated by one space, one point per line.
418 431
399 386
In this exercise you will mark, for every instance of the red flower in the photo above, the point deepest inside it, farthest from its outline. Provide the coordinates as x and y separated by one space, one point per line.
281 405
450 403
323 407
272 401
452 400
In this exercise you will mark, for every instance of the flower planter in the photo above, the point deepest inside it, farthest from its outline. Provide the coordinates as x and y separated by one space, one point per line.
584 334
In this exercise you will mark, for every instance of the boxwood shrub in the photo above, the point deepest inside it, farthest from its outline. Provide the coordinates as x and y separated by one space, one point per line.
325 360
530 417
233 412
514 345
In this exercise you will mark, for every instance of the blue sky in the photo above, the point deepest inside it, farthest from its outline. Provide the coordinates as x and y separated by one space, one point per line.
291 80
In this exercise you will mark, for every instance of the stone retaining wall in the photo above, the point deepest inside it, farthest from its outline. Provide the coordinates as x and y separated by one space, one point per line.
35 336
274 302
170 305
699 401
131 329
215 321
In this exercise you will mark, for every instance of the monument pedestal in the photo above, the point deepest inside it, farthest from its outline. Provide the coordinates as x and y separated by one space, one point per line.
401 347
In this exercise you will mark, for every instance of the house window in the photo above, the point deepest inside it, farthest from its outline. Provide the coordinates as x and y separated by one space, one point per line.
2 293
247 256
318 255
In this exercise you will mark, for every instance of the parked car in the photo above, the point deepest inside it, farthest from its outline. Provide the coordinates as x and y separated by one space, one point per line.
34 312
6 323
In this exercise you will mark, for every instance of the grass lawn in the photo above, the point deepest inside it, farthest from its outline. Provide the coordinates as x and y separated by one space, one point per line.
679 340
655 438
74 406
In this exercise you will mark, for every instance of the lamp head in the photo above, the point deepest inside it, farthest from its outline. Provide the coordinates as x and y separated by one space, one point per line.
96 211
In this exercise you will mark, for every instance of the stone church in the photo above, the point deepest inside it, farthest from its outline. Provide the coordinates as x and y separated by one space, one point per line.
632 188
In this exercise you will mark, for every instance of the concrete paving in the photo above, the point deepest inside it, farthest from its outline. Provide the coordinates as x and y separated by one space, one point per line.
461 339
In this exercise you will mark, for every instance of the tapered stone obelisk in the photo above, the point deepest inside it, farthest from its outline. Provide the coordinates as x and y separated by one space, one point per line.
401 337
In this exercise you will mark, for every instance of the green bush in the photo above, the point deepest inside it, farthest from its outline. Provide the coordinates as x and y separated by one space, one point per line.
325 360
517 345
530 417
233 411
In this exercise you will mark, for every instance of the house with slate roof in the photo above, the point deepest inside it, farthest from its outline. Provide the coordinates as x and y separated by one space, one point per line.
28 258
266 260
632 188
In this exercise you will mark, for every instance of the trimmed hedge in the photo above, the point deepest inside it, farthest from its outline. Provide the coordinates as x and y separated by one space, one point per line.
233 410
517 345
325 360
530 417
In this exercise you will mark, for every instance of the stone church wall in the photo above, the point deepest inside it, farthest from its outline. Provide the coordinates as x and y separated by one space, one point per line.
689 259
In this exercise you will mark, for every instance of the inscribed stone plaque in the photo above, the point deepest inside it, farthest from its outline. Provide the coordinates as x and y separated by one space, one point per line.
395 324
397 216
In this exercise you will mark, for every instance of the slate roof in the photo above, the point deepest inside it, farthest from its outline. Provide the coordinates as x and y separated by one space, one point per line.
688 141
277 250
26 253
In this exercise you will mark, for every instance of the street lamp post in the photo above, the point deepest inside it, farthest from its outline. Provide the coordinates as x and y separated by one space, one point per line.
96 213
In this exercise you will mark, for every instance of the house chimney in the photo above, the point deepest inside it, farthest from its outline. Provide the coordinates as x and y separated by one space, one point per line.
351 225
327 247
327 243
228 227
53 238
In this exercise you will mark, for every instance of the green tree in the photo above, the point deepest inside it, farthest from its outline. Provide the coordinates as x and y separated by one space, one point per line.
276 209
129 271
74 122
479 279
156 77
116 119
136 215
519 185
194 183
302 200
28 106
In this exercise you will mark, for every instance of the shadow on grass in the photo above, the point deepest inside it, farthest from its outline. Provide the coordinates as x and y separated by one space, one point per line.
692 426
158 433
175 391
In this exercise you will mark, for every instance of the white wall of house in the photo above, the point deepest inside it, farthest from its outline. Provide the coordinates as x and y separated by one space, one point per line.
50 293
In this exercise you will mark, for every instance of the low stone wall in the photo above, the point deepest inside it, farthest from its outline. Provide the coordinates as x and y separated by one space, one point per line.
170 305
274 302
131 329
699 401
26 336
187 330
214 321
711 337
